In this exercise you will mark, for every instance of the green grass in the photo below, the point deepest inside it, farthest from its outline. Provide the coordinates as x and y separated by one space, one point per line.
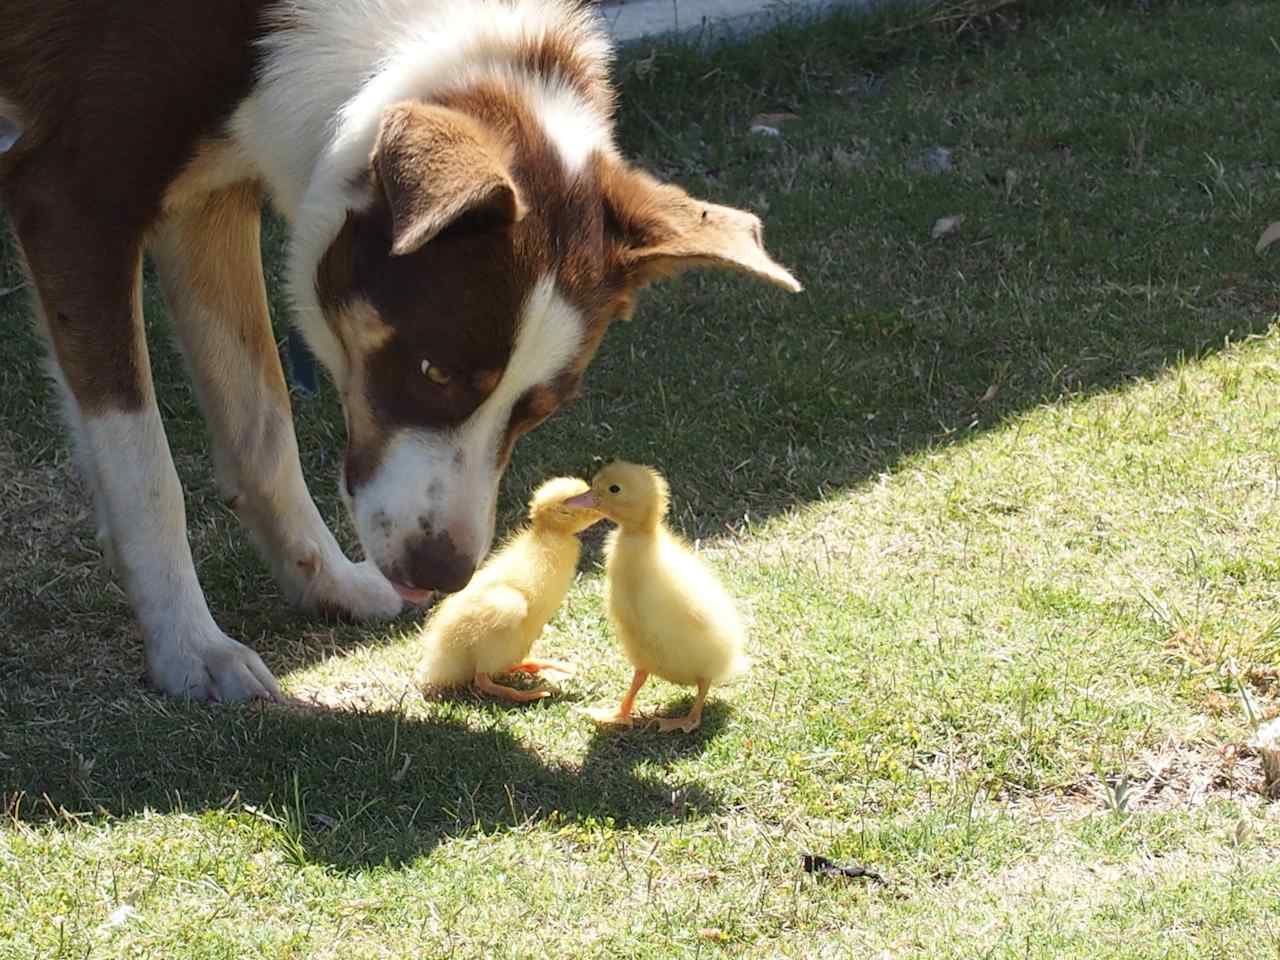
1001 508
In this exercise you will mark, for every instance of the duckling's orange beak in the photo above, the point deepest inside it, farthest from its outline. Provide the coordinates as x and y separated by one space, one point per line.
582 501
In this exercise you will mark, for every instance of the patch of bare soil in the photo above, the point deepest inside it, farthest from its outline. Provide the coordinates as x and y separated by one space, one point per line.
1177 776
374 689
45 512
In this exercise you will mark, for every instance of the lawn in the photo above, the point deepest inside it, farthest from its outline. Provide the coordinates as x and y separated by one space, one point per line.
1000 506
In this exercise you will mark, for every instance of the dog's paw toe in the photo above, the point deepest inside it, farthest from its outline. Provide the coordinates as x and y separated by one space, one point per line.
209 667
354 590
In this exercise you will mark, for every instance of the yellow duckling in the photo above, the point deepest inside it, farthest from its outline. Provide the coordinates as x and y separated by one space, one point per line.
671 614
490 626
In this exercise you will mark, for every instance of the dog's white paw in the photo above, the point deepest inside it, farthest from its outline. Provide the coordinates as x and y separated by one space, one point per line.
205 664
355 590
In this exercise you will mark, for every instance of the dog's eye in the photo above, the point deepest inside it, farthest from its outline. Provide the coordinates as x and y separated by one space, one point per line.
614 488
434 373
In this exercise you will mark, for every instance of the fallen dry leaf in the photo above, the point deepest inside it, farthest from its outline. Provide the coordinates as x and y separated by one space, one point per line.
990 393
1266 741
713 933
644 67
1269 236
404 768
1011 178
848 159
933 160
1242 833
773 119
771 124
945 225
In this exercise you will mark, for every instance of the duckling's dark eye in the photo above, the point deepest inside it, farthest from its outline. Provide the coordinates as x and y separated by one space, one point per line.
614 488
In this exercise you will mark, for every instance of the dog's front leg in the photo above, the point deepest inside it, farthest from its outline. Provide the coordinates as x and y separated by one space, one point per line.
208 255
86 270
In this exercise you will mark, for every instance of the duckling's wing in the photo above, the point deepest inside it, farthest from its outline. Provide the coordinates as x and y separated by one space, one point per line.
498 608
467 631
501 613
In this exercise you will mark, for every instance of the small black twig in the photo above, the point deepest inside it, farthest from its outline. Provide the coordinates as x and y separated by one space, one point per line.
813 863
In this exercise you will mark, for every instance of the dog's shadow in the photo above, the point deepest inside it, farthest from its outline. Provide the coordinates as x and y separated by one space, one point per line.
350 789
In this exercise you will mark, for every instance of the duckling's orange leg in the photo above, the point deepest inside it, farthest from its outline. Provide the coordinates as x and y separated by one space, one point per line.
691 720
485 684
620 716
556 669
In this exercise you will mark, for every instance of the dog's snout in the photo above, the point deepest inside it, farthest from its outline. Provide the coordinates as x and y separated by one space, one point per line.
433 562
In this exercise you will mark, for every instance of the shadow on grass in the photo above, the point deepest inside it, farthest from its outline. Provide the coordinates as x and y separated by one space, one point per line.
352 789
612 748
753 402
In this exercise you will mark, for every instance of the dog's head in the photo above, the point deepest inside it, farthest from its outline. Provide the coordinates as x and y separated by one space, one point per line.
465 302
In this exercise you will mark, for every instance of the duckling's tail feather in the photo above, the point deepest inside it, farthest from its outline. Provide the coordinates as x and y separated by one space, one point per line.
740 665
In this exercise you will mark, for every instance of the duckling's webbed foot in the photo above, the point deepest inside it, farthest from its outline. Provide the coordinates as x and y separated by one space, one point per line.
620 716
685 724
691 720
485 684
549 669
610 716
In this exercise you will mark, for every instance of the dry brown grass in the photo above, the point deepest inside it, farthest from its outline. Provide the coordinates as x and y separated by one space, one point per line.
1175 776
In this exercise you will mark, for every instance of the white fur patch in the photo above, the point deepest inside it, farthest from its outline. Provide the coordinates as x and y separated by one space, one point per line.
142 528
576 130
332 67
449 478
143 509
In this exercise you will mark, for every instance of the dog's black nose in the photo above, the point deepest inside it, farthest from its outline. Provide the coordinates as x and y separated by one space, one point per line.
432 562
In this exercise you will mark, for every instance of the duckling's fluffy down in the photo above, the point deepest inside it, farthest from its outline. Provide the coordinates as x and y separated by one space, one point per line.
480 630
673 617
493 623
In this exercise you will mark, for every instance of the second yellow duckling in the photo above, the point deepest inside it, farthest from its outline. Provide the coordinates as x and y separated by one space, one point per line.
671 614
489 627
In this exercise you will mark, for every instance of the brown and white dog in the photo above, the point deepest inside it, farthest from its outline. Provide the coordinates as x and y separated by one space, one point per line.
463 229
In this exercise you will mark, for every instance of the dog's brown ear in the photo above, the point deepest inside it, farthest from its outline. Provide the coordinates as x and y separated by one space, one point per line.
436 165
664 231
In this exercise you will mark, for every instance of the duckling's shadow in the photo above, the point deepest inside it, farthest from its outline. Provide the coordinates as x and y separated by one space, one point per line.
619 747
561 692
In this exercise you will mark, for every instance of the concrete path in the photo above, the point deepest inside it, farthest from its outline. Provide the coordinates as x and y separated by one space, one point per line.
710 20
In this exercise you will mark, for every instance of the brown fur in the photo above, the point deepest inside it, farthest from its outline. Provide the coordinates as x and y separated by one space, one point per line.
100 147
480 267
660 231
208 255
436 165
